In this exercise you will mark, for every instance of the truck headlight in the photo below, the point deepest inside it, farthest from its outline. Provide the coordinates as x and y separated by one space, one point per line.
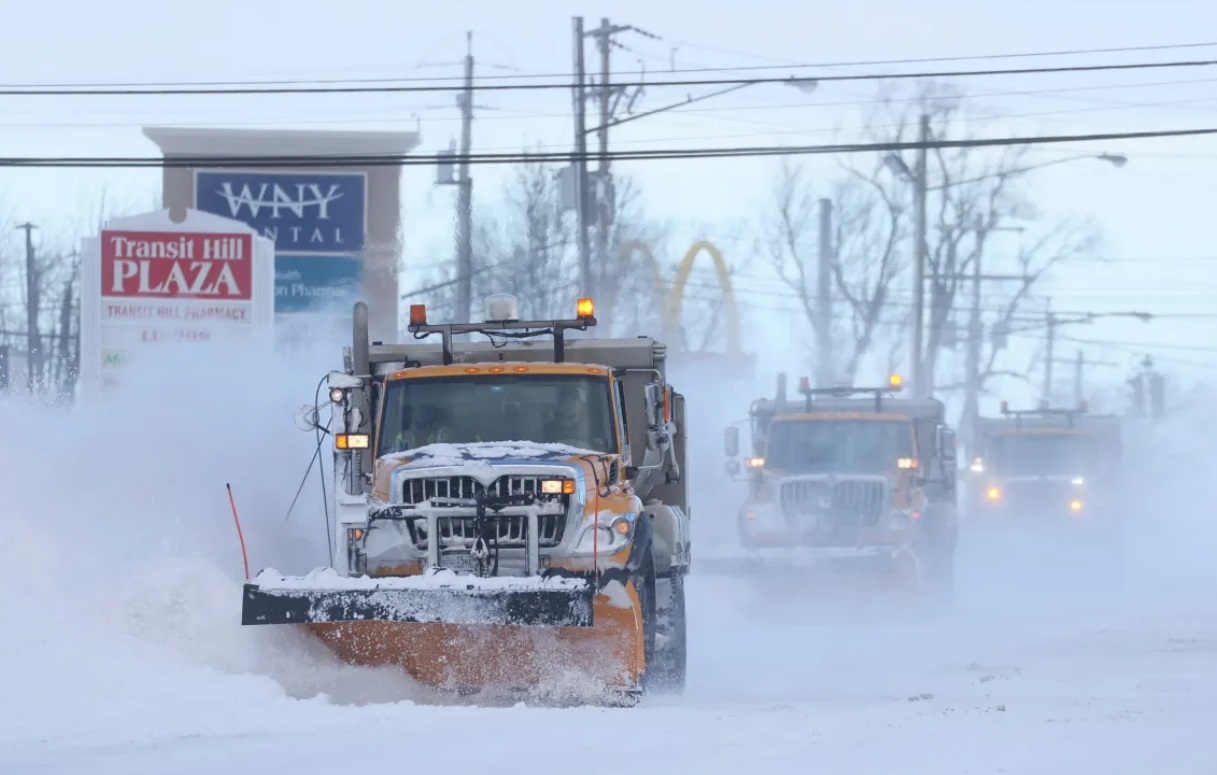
607 538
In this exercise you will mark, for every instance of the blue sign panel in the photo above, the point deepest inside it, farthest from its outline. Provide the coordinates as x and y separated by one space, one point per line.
305 283
303 212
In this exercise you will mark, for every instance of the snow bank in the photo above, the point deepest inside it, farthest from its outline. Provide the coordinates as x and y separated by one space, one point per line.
120 563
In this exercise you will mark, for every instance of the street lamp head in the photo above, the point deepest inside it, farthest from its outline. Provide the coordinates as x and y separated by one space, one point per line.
805 85
1115 159
896 164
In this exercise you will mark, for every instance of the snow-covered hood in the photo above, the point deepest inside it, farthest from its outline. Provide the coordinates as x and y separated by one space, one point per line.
479 456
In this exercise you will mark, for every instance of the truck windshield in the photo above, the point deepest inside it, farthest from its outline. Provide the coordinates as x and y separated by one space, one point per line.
838 446
1039 455
542 408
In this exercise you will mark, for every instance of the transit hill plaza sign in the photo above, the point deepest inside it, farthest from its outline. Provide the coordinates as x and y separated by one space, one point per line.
335 229
149 281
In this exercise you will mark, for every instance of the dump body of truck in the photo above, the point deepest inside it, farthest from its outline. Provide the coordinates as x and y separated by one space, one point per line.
509 514
1045 468
853 476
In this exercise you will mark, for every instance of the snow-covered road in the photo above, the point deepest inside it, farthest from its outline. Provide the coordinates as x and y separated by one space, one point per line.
1117 692
122 653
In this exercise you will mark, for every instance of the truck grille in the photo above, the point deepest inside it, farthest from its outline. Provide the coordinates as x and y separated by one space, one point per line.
845 503
1032 498
457 531
417 491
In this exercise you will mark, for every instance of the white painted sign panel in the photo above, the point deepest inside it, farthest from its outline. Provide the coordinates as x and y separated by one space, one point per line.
149 282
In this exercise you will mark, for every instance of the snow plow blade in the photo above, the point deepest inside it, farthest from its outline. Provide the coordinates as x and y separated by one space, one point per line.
450 599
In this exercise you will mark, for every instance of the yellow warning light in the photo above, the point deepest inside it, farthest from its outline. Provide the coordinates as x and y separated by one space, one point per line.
993 493
584 308
895 381
1076 505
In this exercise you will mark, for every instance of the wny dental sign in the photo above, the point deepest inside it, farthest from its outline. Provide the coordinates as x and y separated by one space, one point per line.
149 281
318 221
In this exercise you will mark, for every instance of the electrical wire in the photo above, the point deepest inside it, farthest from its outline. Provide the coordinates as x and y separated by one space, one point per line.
329 542
403 88
712 111
386 160
636 73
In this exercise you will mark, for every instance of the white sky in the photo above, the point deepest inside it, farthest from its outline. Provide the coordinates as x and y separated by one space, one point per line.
1156 211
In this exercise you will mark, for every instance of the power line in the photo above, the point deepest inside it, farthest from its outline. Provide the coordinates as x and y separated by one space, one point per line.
519 115
380 160
385 88
637 73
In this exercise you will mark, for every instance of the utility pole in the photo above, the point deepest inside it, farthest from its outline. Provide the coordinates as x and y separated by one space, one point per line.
1051 322
1078 368
33 345
580 162
464 219
824 362
604 207
1080 363
919 205
975 335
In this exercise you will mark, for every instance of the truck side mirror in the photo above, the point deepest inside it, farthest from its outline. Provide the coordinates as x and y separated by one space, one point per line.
731 441
654 401
306 417
946 444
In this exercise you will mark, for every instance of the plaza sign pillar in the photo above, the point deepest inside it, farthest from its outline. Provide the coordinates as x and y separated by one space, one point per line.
335 228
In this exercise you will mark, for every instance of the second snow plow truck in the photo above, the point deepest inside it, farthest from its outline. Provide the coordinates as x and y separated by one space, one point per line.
854 481
511 515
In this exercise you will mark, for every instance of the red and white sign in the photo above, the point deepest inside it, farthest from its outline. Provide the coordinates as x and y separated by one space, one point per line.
167 265
149 284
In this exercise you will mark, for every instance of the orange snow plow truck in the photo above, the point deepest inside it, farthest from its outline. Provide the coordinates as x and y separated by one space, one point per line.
509 514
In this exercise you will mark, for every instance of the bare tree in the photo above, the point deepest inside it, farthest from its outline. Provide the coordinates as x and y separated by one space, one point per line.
974 192
524 244
868 232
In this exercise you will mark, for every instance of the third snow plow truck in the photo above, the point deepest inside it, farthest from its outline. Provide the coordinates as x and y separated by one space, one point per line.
854 481
1051 470
511 515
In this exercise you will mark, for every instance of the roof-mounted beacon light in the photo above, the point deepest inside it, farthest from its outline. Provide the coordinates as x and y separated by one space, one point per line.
585 309
418 314
895 382
501 308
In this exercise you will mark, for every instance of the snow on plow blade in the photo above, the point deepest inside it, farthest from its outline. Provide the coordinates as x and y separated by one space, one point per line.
443 598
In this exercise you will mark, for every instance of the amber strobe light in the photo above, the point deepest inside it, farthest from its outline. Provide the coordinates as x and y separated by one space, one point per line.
418 314
585 309
351 441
